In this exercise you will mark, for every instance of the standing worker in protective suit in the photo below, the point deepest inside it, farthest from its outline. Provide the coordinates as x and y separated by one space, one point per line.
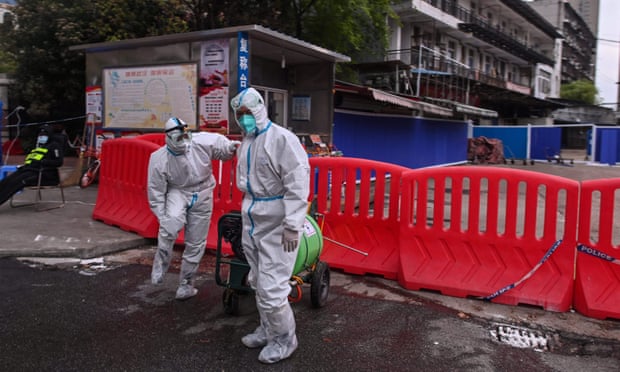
274 174
180 193
46 157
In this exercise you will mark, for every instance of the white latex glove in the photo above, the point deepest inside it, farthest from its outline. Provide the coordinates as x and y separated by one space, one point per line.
290 240
232 147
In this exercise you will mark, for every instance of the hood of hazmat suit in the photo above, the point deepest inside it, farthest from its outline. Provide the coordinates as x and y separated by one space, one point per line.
178 139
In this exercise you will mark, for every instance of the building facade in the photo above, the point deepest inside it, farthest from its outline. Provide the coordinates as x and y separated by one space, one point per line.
578 47
588 10
498 55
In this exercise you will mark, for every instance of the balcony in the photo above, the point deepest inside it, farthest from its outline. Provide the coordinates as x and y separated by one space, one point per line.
431 64
482 29
432 76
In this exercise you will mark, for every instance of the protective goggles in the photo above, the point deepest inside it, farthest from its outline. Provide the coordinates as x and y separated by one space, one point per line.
179 133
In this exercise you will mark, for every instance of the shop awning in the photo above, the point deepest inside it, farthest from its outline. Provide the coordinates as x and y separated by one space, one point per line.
429 72
466 109
473 110
422 107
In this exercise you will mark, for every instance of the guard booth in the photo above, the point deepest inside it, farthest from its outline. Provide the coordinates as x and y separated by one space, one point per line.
134 86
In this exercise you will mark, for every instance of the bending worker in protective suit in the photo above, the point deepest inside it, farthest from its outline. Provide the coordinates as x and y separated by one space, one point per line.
180 193
274 174
47 157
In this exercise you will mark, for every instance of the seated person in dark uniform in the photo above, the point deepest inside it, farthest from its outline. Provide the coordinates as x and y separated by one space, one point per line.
47 155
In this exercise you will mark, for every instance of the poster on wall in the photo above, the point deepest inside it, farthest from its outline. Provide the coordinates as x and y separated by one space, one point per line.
94 103
213 85
146 97
301 108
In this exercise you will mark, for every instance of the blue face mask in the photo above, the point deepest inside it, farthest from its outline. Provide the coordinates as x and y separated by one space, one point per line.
42 140
248 123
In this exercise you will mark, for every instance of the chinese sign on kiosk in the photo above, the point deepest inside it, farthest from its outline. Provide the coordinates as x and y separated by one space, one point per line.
243 64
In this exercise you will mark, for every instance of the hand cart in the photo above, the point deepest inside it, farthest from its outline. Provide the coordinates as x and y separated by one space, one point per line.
556 157
231 272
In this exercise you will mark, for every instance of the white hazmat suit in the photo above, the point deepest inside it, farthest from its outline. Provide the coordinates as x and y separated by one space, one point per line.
180 194
274 174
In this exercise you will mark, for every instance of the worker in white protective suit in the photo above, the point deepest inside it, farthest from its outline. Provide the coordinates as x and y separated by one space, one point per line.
274 174
180 193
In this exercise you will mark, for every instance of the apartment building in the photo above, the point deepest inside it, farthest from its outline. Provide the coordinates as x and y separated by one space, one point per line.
578 47
498 55
588 10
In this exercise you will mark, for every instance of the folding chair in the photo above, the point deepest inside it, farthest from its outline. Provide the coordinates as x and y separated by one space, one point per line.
5 170
40 204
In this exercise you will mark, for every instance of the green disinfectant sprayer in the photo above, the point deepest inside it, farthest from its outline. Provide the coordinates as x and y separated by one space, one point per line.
231 272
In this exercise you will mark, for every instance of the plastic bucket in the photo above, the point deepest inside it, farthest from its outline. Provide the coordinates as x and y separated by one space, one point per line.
310 246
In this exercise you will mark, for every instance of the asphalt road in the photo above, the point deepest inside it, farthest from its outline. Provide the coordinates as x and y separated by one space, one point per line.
105 316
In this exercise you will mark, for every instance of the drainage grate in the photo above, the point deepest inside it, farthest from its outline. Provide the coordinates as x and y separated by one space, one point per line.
521 337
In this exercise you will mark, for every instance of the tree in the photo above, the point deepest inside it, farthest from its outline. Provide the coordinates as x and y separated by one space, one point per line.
211 14
581 90
356 28
49 78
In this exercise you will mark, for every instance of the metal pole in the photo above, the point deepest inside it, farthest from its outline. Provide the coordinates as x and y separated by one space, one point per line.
345 246
417 89
467 90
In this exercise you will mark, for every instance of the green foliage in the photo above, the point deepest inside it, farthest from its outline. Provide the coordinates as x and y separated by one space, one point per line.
121 19
356 28
211 14
581 90
49 77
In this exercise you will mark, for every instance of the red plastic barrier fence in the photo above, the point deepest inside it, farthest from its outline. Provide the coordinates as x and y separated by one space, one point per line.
121 197
471 231
156 138
226 198
358 200
597 280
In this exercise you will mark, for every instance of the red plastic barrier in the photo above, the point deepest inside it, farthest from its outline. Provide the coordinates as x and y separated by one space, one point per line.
358 200
226 198
121 197
597 281
156 138
471 231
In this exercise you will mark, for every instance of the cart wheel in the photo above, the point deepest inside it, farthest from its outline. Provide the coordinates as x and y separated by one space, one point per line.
319 287
230 299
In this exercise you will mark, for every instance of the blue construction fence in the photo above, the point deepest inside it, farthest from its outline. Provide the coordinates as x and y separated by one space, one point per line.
412 142
533 142
417 142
